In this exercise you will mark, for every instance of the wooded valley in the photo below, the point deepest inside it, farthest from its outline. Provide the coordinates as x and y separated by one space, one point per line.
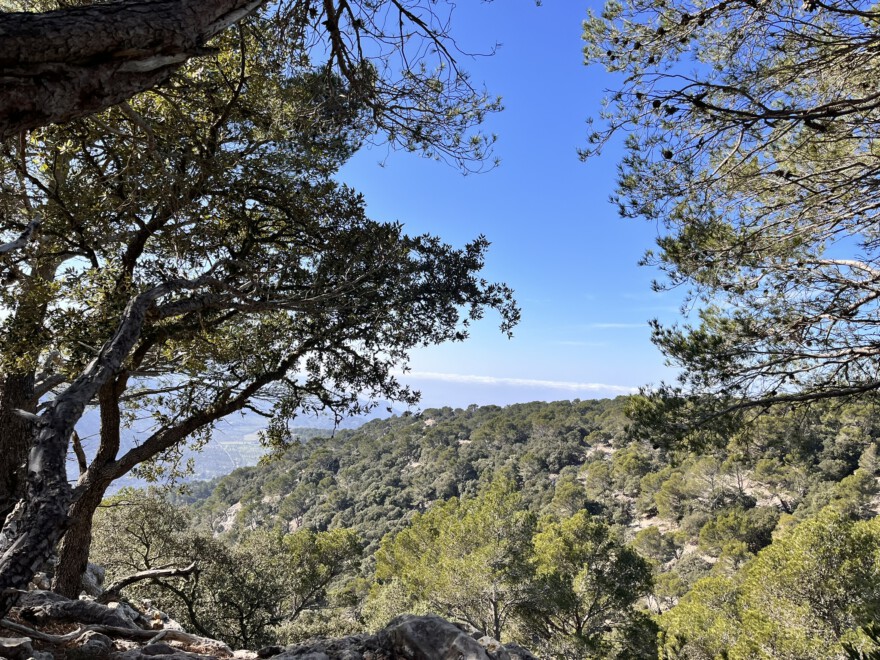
546 524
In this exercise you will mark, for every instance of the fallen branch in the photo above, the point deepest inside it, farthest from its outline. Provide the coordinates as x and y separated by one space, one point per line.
114 589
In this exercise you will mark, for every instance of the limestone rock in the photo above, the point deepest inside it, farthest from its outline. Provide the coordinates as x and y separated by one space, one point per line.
90 644
430 638
160 651
16 648
494 649
40 581
93 580
158 620
225 522
407 637
356 647
517 652
128 613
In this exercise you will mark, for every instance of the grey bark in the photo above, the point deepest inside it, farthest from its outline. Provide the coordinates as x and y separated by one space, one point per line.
75 611
59 65
113 590
45 516
73 552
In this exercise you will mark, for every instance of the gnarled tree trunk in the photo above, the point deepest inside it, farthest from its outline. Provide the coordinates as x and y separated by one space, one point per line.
73 553
59 65
45 512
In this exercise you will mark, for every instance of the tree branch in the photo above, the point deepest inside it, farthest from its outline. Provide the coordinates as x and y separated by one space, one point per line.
114 589
22 240
59 65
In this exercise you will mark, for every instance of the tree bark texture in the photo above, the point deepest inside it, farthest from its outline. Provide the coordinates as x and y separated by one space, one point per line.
73 552
15 442
59 65
45 515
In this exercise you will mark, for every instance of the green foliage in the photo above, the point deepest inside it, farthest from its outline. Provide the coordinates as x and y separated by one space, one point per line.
654 545
738 532
802 597
569 582
215 200
389 468
749 133
465 559
586 584
690 515
240 593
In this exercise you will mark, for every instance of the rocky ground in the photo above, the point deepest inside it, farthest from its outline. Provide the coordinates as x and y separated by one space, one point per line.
46 626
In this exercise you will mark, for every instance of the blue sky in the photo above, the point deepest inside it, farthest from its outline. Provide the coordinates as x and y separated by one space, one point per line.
555 237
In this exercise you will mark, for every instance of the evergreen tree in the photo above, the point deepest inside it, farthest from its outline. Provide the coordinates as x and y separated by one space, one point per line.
752 130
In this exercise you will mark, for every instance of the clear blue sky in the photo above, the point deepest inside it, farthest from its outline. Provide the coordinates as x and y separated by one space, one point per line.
555 237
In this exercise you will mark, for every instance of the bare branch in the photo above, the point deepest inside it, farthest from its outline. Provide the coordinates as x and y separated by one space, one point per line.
113 590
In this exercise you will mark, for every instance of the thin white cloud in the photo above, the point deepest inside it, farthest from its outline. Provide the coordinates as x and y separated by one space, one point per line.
578 342
617 326
519 382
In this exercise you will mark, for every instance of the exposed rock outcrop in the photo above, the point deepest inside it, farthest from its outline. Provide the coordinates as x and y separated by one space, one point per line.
407 637
117 631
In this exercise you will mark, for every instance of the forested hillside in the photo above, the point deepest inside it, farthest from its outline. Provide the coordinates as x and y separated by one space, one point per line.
374 478
587 540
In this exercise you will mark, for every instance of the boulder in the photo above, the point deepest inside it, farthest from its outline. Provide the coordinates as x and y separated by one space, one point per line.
93 580
429 638
494 649
407 637
130 614
160 651
90 644
517 652
355 647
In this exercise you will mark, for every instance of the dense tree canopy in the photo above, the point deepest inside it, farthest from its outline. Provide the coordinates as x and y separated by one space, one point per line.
802 597
752 133
239 593
466 559
63 60
785 513
187 255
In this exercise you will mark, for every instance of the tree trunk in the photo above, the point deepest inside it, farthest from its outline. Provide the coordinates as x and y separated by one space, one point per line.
73 552
45 515
59 65
16 434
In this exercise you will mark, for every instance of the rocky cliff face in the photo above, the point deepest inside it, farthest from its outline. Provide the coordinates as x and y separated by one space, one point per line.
49 626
